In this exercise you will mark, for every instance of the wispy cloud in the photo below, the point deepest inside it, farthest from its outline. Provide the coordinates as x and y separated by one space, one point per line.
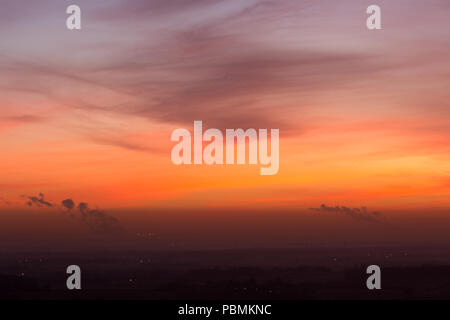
97 220
361 214
25 118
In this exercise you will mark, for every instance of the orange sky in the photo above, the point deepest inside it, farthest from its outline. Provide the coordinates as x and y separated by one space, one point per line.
363 115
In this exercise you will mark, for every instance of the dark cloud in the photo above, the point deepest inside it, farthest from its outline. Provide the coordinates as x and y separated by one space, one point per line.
361 214
68 204
39 201
210 69
98 220
232 91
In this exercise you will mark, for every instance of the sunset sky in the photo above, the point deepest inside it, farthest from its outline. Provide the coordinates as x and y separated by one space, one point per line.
364 116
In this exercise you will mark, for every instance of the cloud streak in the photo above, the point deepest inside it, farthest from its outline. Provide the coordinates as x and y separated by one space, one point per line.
96 219
360 214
